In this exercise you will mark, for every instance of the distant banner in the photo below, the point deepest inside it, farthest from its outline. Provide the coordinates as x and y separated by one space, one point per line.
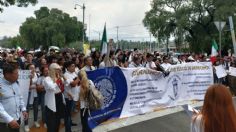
133 91
24 82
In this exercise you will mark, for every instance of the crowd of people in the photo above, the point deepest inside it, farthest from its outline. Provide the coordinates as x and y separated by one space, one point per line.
58 81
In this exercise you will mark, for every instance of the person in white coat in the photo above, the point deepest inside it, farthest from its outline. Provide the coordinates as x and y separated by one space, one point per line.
32 97
41 91
54 100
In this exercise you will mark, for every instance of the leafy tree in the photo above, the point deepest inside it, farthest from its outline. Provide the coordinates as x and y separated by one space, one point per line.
19 3
5 41
188 20
51 27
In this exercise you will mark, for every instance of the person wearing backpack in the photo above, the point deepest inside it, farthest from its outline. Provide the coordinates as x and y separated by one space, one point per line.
90 99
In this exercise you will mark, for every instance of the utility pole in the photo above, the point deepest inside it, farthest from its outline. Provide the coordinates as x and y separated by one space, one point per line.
83 7
89 27
99 34
83 22
232 33
150 42
117 37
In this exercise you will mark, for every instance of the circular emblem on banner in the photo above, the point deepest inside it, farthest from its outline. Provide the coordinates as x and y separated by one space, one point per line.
174 82
107 87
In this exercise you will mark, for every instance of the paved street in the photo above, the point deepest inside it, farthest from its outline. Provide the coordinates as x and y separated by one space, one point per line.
76 119
177 122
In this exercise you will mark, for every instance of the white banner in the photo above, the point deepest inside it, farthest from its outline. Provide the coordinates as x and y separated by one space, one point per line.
148 89
133 91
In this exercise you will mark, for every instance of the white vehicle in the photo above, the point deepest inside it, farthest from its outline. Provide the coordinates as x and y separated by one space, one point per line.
57 49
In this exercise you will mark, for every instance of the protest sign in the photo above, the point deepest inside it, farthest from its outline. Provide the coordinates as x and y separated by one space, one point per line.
232 71
134 91
220 71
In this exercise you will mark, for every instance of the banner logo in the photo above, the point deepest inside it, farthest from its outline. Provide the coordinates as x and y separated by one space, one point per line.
174 82
108 89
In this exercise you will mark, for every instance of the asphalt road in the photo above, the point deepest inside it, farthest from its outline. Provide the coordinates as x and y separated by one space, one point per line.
177 122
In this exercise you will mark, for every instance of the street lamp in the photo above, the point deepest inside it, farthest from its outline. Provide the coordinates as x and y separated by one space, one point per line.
82 7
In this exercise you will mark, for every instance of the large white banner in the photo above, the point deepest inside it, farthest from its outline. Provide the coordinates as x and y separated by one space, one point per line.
133 91
148 89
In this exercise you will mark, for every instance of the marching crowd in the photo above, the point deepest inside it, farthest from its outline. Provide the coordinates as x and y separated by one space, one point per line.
58 81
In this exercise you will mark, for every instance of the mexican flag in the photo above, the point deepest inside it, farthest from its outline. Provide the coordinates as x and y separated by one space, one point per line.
103 47
18 49
214 51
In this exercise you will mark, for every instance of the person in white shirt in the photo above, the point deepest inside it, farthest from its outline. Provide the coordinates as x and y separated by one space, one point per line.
41 91
150 64
11 100
136 62
102 63
54 100
109 59
71 91
88 64
33 96
166 65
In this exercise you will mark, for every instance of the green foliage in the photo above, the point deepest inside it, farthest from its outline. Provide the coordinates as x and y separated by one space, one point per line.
189 20
19 3
6 41
50 27
12 42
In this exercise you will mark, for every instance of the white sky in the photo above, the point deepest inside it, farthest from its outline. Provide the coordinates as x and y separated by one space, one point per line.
128 14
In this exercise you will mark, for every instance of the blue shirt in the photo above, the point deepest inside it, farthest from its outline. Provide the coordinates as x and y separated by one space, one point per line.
11 101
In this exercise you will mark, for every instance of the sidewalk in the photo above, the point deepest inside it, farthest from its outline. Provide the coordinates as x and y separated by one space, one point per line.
75 119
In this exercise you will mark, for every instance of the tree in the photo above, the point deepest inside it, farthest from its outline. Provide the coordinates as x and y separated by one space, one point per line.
50 27
19 3
188 20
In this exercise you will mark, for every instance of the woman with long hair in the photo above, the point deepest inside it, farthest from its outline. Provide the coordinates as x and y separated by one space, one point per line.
218 113
85 85
54 100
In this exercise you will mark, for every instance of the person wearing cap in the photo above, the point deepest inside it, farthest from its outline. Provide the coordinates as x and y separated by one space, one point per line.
11 100
54 100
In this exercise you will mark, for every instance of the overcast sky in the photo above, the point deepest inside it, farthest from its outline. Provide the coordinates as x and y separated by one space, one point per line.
127 14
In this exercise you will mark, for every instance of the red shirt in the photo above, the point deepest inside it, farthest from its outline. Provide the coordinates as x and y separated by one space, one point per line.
60 85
